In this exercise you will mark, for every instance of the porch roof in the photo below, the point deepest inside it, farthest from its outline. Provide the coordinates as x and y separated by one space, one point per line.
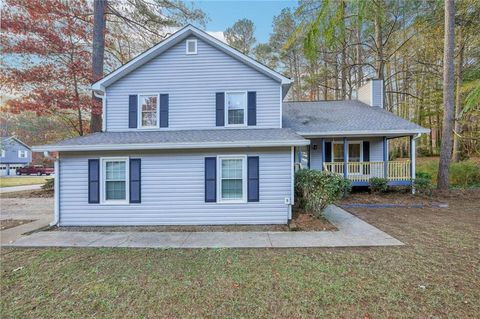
345 118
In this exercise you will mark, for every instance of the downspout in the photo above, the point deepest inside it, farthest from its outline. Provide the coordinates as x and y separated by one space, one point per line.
413 156
56 187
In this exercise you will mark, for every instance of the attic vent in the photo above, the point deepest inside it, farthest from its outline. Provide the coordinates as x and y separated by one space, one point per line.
191 47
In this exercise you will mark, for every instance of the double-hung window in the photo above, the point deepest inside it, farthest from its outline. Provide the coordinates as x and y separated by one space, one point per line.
232 173
22 154
148 110
236 108
115 180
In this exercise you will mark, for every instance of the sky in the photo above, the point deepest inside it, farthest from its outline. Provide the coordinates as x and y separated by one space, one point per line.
224 13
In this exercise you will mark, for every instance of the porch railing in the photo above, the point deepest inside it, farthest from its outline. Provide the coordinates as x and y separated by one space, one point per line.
363 171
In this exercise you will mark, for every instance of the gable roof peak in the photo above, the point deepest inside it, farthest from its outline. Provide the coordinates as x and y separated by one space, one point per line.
176 38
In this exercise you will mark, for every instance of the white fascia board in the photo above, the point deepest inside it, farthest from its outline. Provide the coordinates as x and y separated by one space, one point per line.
363 133
174 39
166 146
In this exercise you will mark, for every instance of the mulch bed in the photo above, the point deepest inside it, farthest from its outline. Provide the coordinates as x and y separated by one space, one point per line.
10 223
301 222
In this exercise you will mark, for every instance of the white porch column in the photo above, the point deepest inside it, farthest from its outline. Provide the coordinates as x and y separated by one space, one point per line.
385 157
345 157
412 160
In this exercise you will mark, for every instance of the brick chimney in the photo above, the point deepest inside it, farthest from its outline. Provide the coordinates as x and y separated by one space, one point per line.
371 93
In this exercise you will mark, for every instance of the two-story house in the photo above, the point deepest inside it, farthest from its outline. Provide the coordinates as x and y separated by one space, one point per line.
14 154
195 132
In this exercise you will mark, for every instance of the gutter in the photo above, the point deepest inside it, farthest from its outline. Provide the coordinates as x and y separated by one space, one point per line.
362 133
166 146
56 187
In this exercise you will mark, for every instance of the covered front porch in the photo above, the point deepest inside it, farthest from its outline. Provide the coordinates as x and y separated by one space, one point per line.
358 158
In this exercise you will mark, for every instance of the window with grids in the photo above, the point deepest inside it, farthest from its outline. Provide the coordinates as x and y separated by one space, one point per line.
231 178
236 108
149 110
115 172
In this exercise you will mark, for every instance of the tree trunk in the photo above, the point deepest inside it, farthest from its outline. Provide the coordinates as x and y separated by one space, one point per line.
380 63
99 28
359 57
448 82
458 100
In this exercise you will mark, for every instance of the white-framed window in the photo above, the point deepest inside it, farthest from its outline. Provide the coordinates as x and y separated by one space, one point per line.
235 108
191 46
22 154
3 153
354 152
232 179
148 110
114 174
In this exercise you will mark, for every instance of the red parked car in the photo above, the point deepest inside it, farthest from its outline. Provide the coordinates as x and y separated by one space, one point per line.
34 170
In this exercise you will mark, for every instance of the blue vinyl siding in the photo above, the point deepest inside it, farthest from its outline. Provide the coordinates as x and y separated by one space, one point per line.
11 148
173 190
192 82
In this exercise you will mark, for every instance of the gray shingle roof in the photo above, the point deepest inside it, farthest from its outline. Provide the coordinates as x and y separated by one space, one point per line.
179 139
343 118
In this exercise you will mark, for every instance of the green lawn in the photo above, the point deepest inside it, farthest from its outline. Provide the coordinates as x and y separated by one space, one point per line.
435 275
22 180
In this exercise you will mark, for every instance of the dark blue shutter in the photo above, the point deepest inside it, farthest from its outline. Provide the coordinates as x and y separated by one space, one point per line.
163 110
210 179
252 108
93 181
253 179
220 108
132 111
366 151
135 180
328 152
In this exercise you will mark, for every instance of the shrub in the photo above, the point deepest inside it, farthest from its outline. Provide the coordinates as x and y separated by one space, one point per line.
464 174
49 184
316 190
423 185
378 185
423 175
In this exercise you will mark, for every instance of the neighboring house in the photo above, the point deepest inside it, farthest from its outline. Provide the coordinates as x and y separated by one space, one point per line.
193 133
14 154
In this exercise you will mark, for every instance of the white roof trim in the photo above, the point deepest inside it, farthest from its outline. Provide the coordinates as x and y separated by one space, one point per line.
364 133
166 146
178 36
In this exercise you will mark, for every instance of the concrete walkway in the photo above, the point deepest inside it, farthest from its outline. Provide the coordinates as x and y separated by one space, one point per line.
20 188
353 232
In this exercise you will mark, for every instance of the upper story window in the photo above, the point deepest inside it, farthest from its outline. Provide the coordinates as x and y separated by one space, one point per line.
148 109
3 153
236 104
22 154
191 47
